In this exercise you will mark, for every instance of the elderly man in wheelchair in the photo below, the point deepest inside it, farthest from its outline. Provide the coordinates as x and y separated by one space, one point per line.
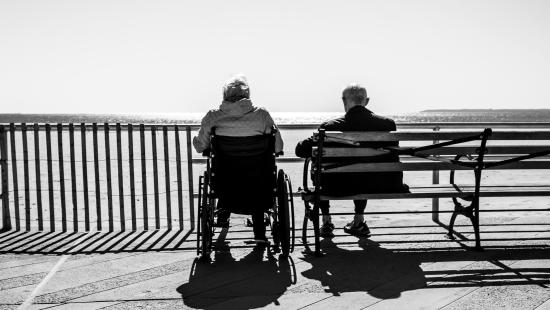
241 143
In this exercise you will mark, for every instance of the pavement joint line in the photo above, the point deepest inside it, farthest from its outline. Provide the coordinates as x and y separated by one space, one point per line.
25 305
481 286
67 300
542 304
488 260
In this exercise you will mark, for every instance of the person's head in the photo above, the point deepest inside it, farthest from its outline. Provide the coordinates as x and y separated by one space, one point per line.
235 89
353 95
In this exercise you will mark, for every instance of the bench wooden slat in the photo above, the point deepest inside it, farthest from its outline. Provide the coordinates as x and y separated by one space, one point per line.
417 165
450 150
448 191
362 136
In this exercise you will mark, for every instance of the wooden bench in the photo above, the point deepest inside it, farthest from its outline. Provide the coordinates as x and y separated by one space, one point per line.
475 151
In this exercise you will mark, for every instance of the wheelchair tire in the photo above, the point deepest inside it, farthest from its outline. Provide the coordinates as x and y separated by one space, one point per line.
283 212
206 219
199 215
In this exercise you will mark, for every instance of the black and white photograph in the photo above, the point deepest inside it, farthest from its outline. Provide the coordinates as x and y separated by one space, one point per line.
252 154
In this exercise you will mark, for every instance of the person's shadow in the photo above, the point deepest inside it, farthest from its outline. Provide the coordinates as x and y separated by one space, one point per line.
227 283
376 271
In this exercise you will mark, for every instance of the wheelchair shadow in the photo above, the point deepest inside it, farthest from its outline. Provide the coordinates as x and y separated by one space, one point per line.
374 270
229 283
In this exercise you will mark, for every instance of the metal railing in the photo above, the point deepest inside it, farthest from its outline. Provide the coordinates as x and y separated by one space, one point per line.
112 177
95 177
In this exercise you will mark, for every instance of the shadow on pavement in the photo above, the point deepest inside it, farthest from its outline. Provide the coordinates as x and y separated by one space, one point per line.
385 273
369 269
229 283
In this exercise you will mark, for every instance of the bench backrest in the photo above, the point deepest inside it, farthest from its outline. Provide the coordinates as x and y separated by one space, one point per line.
502 145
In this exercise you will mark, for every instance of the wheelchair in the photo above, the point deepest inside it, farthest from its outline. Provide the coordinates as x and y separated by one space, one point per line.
241 172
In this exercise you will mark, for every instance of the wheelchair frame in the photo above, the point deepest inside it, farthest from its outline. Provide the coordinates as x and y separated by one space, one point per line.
280 214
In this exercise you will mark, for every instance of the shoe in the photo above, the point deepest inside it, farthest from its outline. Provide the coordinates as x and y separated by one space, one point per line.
326 230
222 218
361 230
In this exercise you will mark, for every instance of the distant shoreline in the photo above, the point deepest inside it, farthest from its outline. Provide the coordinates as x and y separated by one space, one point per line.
481 110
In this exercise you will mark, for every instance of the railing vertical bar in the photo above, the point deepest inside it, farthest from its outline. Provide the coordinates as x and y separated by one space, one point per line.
38 182
155 176
143 176
178 168
190 177
50 176
108 172
6 219
26 177
73 177
167 178
61 176
435 180
120 177
85 177
14 176
132 181
96 171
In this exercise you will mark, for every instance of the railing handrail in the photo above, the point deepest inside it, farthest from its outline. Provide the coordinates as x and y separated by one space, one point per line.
427 125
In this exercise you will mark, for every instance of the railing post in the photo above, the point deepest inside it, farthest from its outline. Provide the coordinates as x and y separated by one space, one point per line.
120 177
38 173
15 177
178 168
73 177
108 176
435 180
167 177
6 220
26 177
61 176
190 176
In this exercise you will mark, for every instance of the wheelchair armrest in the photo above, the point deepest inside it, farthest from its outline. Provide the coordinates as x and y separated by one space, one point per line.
206 153
281 153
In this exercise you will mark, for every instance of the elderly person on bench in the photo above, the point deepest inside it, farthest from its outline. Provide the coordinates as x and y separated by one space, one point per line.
357 118
237 117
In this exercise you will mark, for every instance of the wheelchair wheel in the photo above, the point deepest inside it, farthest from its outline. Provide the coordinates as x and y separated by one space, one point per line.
285 211
206 219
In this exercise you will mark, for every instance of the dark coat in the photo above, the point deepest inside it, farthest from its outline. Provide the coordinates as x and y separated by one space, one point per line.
359 118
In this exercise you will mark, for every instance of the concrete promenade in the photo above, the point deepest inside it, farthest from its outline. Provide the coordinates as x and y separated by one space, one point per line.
408 263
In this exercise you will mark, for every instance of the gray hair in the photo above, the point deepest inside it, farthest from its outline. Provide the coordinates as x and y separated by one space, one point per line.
355 93
235 89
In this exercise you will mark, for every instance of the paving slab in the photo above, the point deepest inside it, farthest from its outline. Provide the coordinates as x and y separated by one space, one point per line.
407 263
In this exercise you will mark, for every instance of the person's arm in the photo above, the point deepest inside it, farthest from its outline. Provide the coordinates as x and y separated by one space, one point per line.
269 124
202 141
303 148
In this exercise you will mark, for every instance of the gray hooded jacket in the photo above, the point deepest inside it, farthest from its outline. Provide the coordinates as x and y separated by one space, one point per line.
236 119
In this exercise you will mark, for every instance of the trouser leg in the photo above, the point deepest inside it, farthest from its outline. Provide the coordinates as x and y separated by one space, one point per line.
324 205
360 206
258 224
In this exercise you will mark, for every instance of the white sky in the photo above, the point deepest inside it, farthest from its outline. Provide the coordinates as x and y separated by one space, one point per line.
114 56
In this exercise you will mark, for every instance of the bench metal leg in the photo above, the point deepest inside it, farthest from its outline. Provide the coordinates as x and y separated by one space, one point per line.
315 220
475 223
307 212
472 213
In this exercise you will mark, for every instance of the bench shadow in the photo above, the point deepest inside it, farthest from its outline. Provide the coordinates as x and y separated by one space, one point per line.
385 274
368 269
255 280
